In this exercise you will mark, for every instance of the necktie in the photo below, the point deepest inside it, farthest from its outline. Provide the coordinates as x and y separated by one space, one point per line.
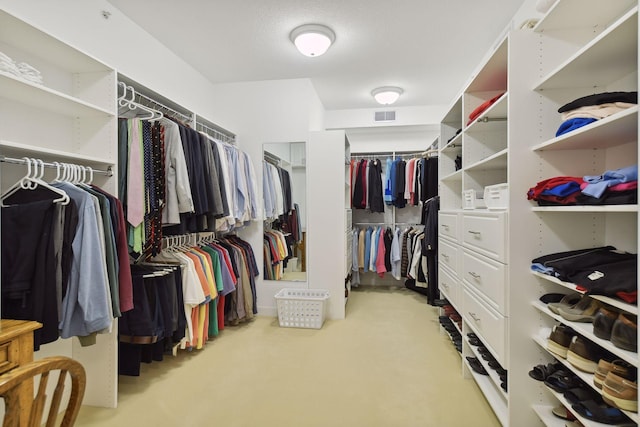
135 178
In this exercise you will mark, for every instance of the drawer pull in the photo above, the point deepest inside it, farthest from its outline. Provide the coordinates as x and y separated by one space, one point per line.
474 316
474 275
445 256
445 286
475 233
445 226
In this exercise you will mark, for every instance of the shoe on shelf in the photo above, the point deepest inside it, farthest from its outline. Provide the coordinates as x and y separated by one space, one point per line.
618 367
620 392
603 322
567 301
583 354
441 302
476 365
563 380
584 311
561 411
560 339
552 298
624 333
541 372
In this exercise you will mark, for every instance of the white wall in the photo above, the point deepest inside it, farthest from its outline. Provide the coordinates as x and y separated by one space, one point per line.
364 117
267 111
408 138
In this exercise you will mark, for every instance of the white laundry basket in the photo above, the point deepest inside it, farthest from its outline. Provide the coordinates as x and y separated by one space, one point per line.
302 308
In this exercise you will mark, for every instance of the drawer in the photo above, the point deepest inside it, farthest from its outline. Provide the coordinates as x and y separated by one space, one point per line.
448 224
487 276
490 325
487 234
8 356
448 255
449 286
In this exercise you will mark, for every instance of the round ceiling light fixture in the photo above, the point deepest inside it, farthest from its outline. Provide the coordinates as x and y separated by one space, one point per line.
312 39
387 95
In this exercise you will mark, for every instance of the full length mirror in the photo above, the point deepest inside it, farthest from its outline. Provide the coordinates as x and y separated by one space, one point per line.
284 180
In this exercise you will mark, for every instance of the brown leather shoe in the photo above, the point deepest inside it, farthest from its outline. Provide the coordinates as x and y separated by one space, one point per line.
603 322
618 367
620 392
583 354
625 332
560 340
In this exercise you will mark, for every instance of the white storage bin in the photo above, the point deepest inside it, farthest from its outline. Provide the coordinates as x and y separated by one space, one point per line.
471 200
302 308
497 196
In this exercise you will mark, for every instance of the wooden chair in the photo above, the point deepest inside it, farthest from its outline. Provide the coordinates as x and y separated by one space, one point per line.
15 408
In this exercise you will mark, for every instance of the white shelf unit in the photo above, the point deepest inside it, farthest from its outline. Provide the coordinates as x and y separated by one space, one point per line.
473 257
71 118
590 53
567 56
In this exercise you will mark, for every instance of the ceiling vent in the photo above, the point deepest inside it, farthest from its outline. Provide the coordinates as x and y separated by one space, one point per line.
384 116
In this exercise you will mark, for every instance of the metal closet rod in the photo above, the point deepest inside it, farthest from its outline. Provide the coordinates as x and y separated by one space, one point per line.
387 153
108 172
212 130
171 111
225 137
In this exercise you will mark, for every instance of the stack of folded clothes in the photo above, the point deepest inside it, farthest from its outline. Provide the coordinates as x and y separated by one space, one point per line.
599 271
29 73
613 187
8 66
22 70
589 109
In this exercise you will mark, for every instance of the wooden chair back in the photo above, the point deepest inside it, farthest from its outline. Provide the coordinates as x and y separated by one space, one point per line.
10 389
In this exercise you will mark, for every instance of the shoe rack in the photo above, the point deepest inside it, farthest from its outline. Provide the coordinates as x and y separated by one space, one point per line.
489 281
579 55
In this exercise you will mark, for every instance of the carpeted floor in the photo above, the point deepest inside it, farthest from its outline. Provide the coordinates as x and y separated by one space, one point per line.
386 365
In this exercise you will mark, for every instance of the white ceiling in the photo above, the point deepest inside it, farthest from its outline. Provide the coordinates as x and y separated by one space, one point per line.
427 47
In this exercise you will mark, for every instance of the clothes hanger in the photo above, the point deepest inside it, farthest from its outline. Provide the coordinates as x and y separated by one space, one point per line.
33 179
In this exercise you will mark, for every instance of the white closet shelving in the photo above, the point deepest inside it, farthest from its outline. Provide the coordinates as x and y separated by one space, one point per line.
70 117
568 55
587 54
473 242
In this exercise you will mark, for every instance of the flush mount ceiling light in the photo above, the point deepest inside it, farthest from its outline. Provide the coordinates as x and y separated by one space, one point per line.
387 95
312 39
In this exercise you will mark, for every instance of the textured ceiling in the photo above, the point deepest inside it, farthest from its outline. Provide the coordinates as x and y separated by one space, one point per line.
427 47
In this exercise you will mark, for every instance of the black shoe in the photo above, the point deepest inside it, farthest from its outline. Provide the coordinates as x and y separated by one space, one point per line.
441 302
494 364
476 365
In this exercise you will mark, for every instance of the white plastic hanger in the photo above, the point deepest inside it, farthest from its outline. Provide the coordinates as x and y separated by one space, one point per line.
132 105
33 179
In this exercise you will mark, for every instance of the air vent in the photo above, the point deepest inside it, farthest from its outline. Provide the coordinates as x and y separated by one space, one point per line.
385 116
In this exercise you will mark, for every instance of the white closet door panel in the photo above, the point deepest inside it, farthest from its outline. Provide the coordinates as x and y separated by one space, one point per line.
487 276
486 233
449 225
448 254
490 325
449 286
